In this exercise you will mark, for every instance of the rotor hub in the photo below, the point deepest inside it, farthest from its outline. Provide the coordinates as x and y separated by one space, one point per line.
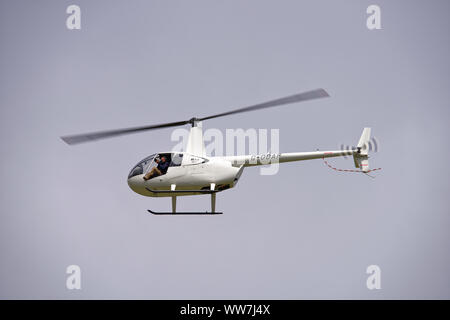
194 121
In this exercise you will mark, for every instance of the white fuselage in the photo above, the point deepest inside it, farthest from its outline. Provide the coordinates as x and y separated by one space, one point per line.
223 172
193 170
189 176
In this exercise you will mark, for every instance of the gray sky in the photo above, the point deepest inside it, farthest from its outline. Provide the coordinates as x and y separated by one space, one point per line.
307 232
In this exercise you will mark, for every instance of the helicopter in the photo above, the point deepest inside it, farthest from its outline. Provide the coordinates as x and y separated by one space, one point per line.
192 172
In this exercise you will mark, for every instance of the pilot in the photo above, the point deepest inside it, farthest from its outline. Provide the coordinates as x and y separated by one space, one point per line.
159 170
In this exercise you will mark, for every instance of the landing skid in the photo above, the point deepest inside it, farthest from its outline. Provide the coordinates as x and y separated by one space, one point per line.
206 213
174 192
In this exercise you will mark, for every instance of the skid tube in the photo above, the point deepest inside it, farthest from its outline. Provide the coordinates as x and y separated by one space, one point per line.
206 213
174 212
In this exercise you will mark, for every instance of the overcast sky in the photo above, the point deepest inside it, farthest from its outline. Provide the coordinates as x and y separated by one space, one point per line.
306 232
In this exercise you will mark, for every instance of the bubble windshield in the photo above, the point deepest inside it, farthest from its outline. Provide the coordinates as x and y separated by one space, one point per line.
142 166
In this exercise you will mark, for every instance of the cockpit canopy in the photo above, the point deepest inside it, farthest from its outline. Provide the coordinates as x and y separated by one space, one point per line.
173 158
141 167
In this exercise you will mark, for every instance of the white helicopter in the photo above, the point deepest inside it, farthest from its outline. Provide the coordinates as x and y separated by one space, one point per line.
194 173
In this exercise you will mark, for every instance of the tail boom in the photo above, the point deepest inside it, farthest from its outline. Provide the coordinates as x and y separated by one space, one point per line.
270 158
360 155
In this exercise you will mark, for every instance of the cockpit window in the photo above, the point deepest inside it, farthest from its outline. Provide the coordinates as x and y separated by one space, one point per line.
177 158
142 166
174 159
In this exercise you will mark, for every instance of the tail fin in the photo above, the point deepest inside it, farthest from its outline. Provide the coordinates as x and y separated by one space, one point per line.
361 157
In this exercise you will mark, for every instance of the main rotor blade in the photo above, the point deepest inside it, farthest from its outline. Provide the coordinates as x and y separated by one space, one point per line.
309 95
86 137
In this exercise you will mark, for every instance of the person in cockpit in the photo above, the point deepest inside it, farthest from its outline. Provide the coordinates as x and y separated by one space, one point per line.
159 170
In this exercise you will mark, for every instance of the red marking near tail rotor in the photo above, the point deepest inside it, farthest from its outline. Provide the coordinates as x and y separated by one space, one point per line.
348 170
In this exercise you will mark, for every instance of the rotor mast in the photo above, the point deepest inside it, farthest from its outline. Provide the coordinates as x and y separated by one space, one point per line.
195 144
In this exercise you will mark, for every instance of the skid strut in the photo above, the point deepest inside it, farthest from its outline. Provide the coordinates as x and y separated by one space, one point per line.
211 191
